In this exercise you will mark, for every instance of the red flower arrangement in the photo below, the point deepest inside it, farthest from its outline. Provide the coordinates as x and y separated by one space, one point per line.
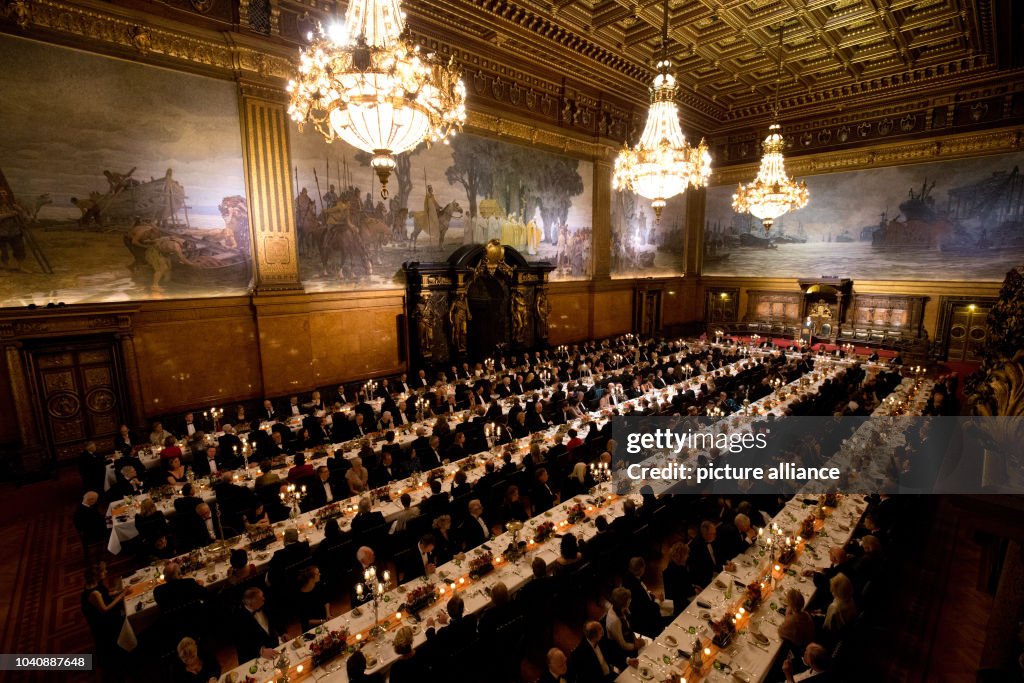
481 565
328 646
576 513
421 598
543 532
753 596
807 528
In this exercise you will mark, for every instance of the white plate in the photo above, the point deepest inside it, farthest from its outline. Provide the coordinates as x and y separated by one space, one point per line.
645 673
671 641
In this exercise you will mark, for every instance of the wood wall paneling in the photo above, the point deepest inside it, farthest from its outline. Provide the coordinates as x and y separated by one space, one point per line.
286 353
569 320
350 344
191 363
613 312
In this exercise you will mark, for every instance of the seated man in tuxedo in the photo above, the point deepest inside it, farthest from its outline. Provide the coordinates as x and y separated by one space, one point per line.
267 413
438 503
420 562
475 530
229 443
197 529
177 591
542 498
319 489
558 668
188 501
204 461
430 457
253 632
385 472
128 482
366 518
292 553
588 660
234 500
452 630
707 556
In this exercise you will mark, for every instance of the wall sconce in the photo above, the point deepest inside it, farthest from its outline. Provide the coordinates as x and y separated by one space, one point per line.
971 308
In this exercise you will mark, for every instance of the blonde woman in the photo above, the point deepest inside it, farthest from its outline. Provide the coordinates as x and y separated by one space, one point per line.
842 610
196 668
798 626
407 668
357 477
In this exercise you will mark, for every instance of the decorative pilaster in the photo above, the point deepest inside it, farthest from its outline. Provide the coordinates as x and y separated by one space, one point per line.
693 258
269 188
132 379
32 452
601 249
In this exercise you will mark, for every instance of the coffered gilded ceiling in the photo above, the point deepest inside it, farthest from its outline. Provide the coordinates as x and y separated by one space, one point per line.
726 51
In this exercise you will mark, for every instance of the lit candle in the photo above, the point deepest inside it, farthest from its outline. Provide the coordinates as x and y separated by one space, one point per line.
707 652
359 590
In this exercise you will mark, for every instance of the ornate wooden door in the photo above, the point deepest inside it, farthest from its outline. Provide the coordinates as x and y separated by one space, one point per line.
968 331
80 396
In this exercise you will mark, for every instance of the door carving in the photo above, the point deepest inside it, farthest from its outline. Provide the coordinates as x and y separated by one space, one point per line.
80 396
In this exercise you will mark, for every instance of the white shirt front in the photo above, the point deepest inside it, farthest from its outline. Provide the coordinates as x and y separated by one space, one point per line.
328 493
190 428
261 619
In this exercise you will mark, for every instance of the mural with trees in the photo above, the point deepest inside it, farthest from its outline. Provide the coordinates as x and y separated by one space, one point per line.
468 191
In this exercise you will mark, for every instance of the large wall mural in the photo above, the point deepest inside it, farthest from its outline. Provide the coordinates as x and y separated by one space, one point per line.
469 191
118 181
949 220
642 246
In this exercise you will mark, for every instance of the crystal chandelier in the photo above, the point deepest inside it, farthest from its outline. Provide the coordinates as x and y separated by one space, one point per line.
367 83
772 193
662 164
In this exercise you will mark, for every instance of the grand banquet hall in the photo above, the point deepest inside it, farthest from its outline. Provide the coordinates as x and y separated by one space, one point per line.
561 341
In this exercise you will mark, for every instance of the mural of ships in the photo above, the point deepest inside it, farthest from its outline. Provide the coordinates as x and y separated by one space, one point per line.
924 227
988 215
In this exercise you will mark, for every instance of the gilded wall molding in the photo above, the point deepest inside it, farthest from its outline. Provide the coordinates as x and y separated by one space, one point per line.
520 131
918 151
149 38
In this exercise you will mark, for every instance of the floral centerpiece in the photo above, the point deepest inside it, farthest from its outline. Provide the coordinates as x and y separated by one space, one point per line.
787 553
753 597
543 532
481 565
807 527
723 629
191 563
381 494
576 513
326 513
260 537
830 499
328 645
161 493
420 598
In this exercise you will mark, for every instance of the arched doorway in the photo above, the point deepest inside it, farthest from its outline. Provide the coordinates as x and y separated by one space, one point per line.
488 331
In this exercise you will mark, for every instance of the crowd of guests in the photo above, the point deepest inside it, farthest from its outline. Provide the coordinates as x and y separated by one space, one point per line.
543 389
